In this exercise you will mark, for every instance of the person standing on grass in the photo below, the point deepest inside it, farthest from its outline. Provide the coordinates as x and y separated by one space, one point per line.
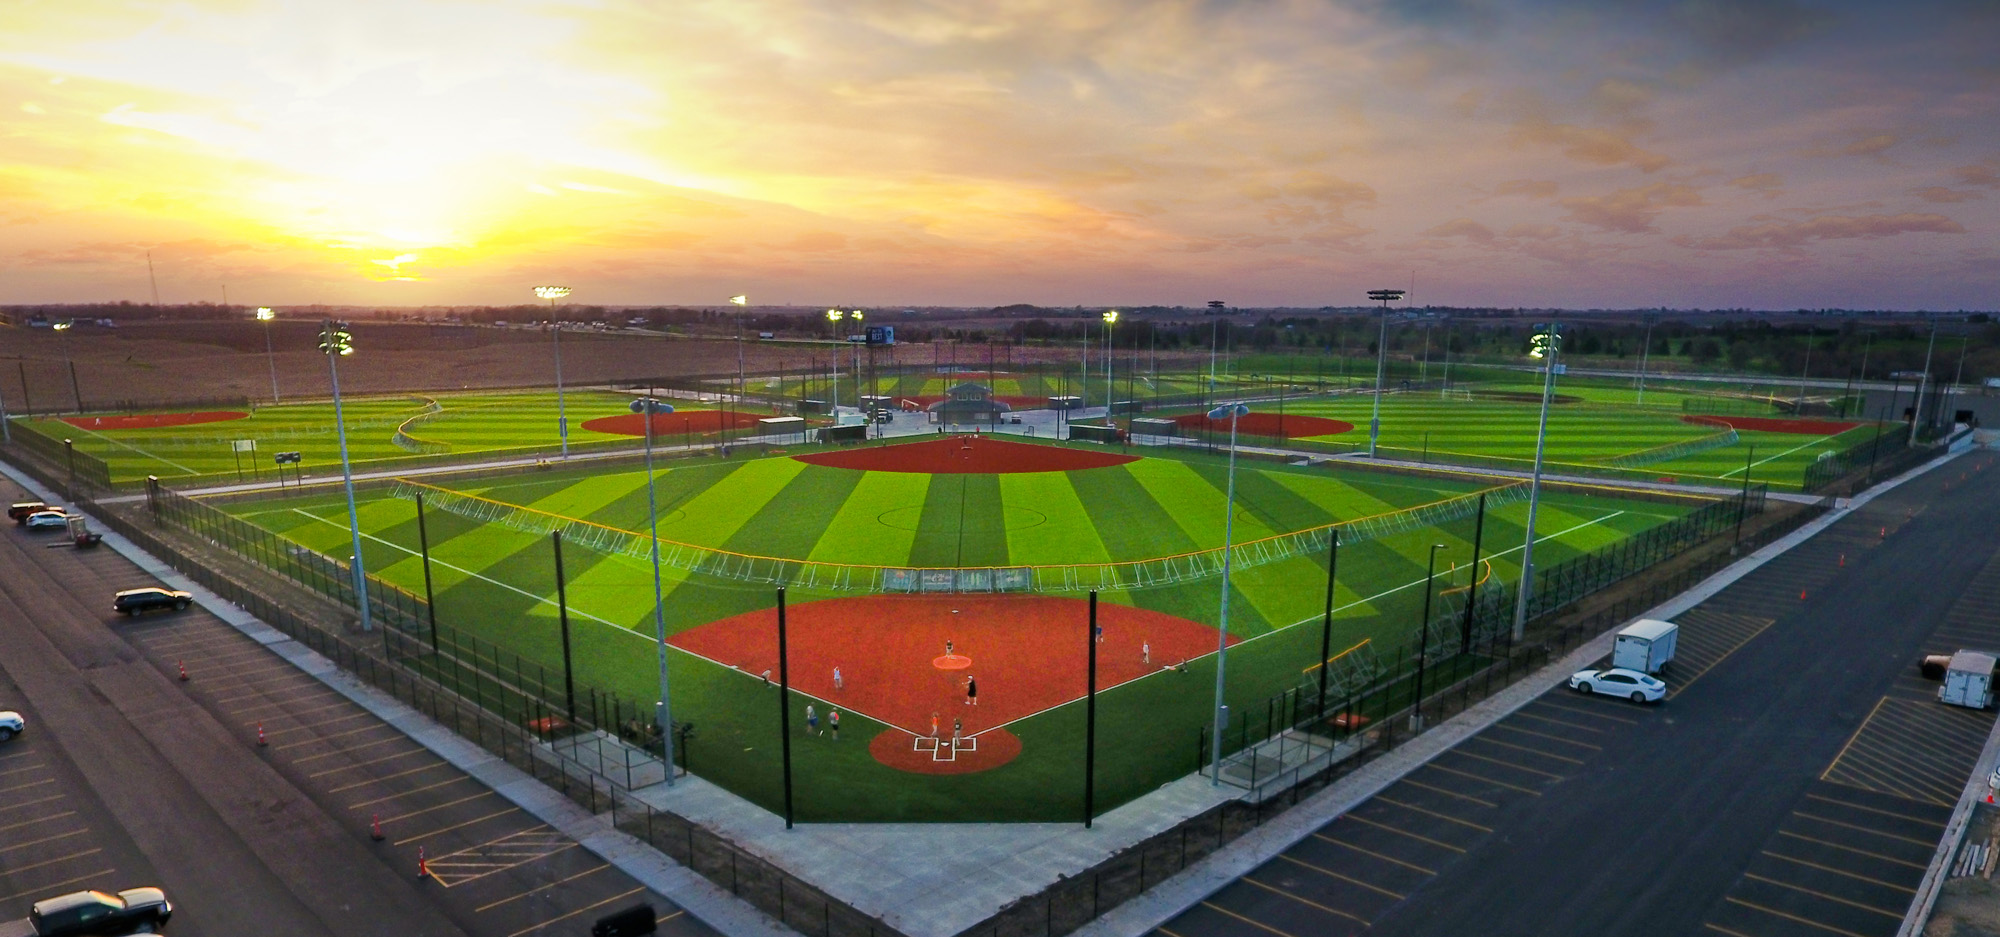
833 723
971 691
812 720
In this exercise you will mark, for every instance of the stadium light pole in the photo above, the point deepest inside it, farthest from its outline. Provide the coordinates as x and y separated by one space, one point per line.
62 334
1923 381
336 342
553 293
834 316
1229 412
1547 344
1385 297
1110 319
1424 641
265 314
1645 349
663 716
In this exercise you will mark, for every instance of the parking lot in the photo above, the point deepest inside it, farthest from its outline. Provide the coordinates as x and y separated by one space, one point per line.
1795 782
53 835
493 869
1347 874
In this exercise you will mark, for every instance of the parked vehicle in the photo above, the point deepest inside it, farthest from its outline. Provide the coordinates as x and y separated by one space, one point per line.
1968 680
51 519
19 510
95 913
1646 645
1631 684
11 724
134 601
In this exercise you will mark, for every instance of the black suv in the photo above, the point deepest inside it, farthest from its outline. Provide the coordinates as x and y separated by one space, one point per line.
132 911
134 601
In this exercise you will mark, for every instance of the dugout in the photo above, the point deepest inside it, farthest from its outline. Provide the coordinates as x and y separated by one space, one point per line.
968 403
850 432
1090 432
782 426
1147 426
1066 403
812 406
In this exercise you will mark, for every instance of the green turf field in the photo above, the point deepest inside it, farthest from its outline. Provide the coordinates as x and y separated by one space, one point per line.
444 424
498 582
1585 436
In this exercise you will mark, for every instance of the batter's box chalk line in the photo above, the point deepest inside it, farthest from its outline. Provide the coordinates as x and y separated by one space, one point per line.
941 751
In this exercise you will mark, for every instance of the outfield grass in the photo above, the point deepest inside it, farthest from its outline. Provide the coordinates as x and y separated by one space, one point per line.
498 583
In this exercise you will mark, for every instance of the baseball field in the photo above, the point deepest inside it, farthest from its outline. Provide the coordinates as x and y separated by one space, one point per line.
862 536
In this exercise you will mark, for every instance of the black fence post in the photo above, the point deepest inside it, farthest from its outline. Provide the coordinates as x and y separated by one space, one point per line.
1090 719
785 707
562 616
1326 621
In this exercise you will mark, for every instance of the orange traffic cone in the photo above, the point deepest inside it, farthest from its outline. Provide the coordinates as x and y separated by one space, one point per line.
1802 595
184 670
423 867
1843 560
260 736
375 827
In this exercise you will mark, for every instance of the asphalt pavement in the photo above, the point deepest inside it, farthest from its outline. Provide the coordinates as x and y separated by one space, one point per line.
250 791
1795 782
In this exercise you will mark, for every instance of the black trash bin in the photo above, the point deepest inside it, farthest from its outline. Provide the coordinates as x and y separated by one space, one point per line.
637 919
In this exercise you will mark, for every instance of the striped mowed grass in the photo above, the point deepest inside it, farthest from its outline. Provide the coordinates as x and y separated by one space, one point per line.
498 583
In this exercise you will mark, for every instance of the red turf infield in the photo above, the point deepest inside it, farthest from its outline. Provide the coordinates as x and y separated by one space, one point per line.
965 455
1028 655
153 420
1765 424
667 424
1290 426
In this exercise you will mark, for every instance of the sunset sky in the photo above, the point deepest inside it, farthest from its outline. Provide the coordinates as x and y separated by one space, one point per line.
1712 153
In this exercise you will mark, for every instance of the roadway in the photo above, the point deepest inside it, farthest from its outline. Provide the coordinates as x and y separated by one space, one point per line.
1795 782
128 775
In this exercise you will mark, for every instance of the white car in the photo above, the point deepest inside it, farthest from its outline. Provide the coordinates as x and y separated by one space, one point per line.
11 725
1618 681
46 519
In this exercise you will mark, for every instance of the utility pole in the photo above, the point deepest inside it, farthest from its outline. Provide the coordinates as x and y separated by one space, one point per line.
1381 363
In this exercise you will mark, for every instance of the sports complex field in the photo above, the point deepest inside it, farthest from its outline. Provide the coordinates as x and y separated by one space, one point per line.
852 528
181 446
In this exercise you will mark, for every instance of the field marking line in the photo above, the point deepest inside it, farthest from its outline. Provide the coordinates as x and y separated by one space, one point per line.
1816 440
120 442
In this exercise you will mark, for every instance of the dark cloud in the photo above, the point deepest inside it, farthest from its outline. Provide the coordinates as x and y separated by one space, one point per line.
1736 31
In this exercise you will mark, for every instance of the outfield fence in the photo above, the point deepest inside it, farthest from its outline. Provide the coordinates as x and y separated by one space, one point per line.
1074 577
1886 452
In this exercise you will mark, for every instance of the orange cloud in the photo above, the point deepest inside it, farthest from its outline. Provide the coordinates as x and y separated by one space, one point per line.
1944 195
1631 210
1823 228
1594 145
1462 227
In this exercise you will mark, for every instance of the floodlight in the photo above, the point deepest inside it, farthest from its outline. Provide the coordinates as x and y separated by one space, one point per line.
264 314
552 293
